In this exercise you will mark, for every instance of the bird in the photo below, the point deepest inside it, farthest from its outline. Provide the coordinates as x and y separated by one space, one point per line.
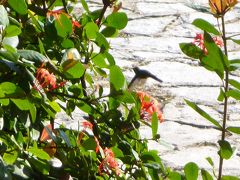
140 78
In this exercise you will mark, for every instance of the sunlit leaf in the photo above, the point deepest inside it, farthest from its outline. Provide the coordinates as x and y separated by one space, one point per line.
206 175
234 83
12 30
154 124
91 30
234 94
117 78
205 26
85 6
117 20
234 129
203 113
63 25
10 157
215 59
73 69
39 153
191 171
226 150
191 50
19 6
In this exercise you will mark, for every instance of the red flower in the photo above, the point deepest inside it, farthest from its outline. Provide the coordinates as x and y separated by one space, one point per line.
75 24
199 41
109 163
149 105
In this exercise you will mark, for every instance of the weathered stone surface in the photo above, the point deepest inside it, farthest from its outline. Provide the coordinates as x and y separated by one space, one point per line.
151 41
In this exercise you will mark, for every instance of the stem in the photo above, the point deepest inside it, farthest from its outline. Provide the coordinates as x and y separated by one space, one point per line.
225 98
101 15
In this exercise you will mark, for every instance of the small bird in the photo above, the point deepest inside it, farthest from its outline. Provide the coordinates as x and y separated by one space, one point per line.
140 78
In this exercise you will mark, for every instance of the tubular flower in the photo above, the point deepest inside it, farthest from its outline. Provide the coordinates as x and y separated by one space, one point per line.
45 80
75 24
220 7
109 163
149 105
199 41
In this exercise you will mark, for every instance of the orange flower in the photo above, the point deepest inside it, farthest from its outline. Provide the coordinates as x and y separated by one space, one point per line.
199 41
149 105
46 80
109 163
50 147
220 7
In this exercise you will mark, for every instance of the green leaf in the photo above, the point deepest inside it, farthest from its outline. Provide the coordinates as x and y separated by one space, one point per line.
215 60
117 20
206 175
3 16
65 138
85 107
237 41
12 30
154 124
19 6
11 157
90 144
12 89
22 104
234 83
74 70
91 30
191 50
117 79
11 41
41 166
55 106
33 112
152 156
11 56
174 176
203 113
226 150
102 41
85 6
205 26
99 60
230 178
39 153
191 171
33 56
63 26
109 32
221 95
210 161
234 129
234 94
67 43
36 23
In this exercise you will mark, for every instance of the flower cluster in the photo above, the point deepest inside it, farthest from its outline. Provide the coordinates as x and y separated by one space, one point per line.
149 105
220 7
199 41
109 163
46 80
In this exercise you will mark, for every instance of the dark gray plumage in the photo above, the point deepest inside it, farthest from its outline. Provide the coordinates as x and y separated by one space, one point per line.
142 75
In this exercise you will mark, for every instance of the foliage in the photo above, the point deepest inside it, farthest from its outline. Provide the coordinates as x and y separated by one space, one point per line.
49 61
211 51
